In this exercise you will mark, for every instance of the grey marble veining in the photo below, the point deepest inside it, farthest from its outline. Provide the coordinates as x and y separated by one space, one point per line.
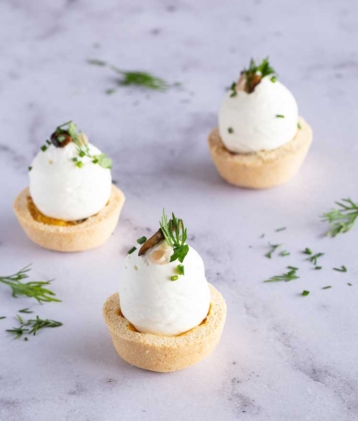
282 356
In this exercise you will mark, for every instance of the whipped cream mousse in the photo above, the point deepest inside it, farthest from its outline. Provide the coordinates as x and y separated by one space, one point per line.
261 141
71 204
166 315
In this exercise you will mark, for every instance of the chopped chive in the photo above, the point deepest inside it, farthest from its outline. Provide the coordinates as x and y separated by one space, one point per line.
349 284
81 154
74 159
262 235
313 259
318 267
299 126
305 293
142 240
2 317
43 148
79 164
110 91
284 253
292 268
233 90
230 130
281 229
273 79
341 269
174 278
48 142
327 287
280 116
30 168
26 338
307 251
130 251
180 269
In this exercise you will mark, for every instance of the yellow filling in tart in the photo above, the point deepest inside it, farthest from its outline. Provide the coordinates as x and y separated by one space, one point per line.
40 217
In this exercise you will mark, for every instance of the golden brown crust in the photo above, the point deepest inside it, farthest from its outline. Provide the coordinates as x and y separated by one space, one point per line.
263 169
165 353
89 234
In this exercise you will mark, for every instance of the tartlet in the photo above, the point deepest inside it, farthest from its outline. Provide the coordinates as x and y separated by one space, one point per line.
260 142
71 204
166 316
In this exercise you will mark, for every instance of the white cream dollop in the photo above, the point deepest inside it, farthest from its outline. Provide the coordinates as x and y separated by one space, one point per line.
252 118
155 304
61 190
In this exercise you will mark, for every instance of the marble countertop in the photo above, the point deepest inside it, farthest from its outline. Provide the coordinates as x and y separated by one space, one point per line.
282 356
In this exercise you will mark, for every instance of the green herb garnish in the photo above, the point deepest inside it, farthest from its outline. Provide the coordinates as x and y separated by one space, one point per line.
299 126
130 251
318 267
313 259
233 90
273 79
44 148
32 326
25 310
349 284
82 148
292 267
341 269
280 116
230 130
281 229
284 253
342 219
307 251
286 277
180 269
30 168
255 73
174 278
137 78
305 293
175 235
34 289
273 249
327 287
2 317
142 240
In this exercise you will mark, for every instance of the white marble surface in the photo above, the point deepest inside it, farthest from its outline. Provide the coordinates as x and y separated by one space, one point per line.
282 357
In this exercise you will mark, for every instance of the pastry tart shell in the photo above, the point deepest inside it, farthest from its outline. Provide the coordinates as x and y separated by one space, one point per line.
90 233
165 353
263 169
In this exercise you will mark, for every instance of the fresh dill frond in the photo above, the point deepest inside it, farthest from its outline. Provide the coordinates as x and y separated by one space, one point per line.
175 234
342 219
286 277
82 147
32 326
34 289
256 72
135 78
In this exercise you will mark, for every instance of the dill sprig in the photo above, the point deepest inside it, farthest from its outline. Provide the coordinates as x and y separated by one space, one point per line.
342 219
175 235
255 73
136 78
82 148
34 289
32 326
286 277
